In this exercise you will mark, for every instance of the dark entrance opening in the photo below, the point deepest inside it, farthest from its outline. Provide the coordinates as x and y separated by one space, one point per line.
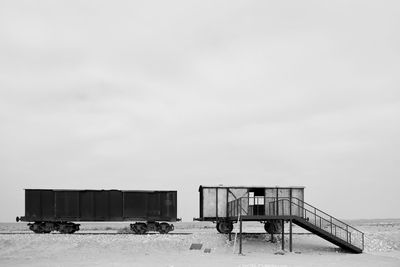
256 199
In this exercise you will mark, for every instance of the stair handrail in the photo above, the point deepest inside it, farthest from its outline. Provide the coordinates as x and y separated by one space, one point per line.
322 218
313 207
333 221
316 209
239 208
330 222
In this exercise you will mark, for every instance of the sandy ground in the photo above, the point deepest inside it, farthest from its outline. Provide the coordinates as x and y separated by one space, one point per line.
105 244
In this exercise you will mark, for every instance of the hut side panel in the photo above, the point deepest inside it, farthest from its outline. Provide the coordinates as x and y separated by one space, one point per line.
235 193
284 206
297 198
270 198
222 203
209 202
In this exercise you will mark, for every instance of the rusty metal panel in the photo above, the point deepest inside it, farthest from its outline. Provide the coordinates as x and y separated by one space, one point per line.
297 199
135 204
115 205
39 204
168 205
150 205
101 205
222 202
235 193
66 205
210 202
86 205
47 204
33 209
153 205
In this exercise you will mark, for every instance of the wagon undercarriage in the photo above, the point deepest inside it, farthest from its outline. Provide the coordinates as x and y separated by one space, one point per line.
48 227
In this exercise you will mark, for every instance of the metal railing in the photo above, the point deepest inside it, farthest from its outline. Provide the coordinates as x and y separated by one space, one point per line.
296 208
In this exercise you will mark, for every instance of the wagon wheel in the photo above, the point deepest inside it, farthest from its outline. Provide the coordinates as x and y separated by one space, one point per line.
218 229
139 228
164 228
38 228
224 227
67 231
273 227
38 231
68 228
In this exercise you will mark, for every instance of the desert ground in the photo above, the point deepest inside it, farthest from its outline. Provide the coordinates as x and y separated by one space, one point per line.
112 244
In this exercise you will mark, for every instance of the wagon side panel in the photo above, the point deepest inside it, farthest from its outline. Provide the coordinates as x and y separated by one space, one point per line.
86 205
67 205
135 205
101 205
168 206
33 210
115 205
47 205
153 206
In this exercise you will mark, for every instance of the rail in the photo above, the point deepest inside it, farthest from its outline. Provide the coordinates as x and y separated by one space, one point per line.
296 208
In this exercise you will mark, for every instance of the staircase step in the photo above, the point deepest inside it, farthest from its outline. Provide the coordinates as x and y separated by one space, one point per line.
327 236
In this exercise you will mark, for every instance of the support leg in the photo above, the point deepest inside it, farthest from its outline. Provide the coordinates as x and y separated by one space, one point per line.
290 236
283 235
240 239
230 237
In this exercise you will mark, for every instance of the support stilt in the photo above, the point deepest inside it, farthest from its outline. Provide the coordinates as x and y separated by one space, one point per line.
240 239
229 236
290 236
283 235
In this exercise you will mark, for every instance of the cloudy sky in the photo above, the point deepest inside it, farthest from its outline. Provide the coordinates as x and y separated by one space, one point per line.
174 94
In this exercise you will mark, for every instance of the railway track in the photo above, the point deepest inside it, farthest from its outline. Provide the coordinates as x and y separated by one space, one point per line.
103 233
28 233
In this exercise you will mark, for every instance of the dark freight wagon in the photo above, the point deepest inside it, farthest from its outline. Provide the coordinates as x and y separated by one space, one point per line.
56 210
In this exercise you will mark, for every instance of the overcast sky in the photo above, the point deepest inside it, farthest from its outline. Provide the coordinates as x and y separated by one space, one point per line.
173 94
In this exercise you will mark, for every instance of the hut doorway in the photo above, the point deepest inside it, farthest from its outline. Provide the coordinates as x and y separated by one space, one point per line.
256 201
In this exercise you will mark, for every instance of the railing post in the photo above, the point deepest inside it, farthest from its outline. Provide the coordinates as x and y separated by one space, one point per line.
362 241
290 237
277 202
331 224
277 206
265 206
248 205
283 235
240 240
237 207
347 233
290 202
315 216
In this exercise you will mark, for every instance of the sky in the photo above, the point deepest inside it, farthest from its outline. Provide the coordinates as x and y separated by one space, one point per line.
175 94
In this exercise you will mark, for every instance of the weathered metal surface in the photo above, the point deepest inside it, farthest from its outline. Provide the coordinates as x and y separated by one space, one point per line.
214 199
99 205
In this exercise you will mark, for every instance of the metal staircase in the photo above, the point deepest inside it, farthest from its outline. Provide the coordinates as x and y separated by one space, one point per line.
302 214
